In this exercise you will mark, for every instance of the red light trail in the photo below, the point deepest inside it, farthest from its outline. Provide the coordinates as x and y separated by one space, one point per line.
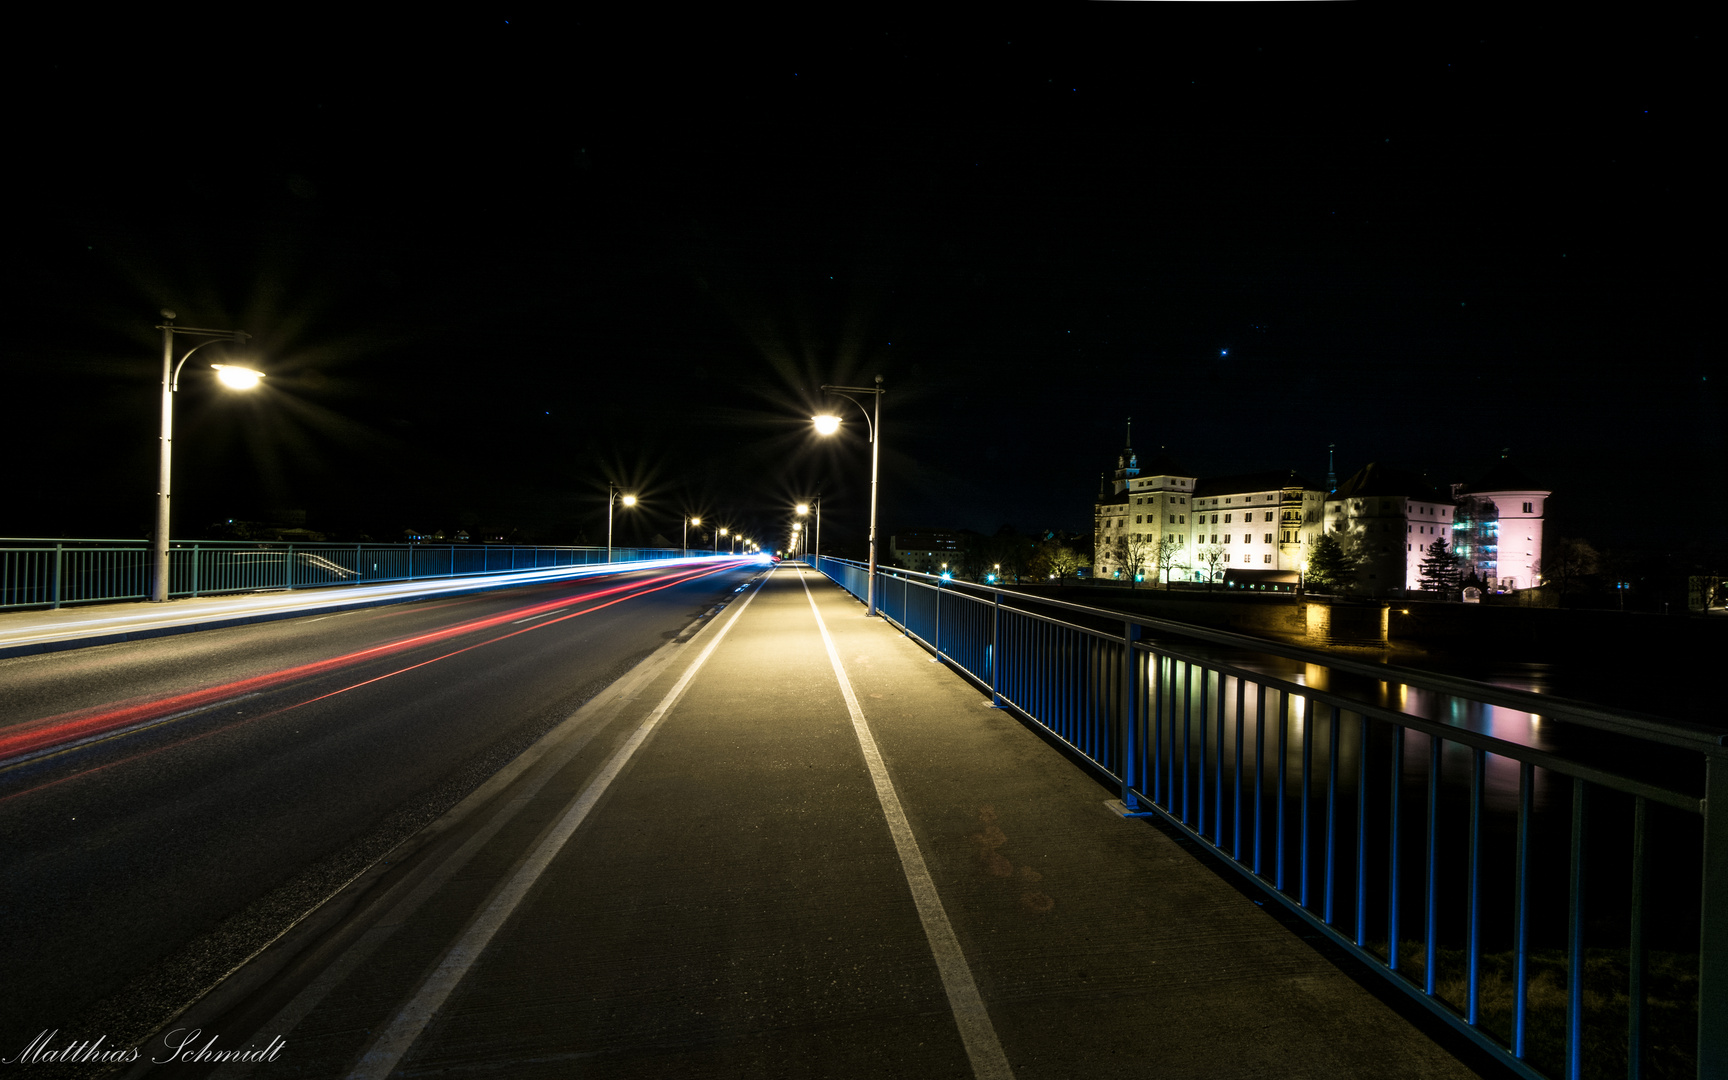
36 738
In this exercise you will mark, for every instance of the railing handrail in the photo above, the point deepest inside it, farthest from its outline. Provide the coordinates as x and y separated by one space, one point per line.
1670 732
54 574
48 543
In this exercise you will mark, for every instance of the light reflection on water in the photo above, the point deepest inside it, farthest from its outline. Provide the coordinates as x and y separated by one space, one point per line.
1617 754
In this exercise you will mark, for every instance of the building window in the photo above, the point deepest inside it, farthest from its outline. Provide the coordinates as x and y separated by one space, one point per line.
1226 538
1527 509
1267 559
1214 538
1268 538
1214 519
1226 557
1226 516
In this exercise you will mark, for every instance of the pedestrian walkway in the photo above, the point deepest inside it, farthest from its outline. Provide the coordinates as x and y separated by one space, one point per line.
794 846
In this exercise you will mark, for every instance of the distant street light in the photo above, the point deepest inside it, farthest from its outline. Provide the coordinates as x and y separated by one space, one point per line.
612 499
689 521
230 375
717 537
828 424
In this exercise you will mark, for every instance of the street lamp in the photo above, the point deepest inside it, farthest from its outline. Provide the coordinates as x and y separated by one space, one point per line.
689 521
717 537
230 375
828 424
612 499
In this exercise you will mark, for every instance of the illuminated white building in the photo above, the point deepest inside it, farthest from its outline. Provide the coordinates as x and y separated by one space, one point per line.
1144 505
1386 518
1498 531
1265 522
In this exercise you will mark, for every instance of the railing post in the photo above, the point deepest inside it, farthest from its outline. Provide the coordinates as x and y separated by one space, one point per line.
195 567
59 555
995 649
1713 923
1130 714
288 568
938 641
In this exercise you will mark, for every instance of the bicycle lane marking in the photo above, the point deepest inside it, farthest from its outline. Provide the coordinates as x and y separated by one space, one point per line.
976 1031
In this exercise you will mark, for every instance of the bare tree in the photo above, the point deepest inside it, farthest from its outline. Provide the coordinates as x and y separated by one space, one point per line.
1168 556
1134 551
1211 557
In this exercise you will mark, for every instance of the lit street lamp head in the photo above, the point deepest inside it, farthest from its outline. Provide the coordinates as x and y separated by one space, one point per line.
826 424
628 500
235 377
803 508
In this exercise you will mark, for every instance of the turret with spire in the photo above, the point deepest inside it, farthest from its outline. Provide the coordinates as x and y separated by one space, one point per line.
1127 462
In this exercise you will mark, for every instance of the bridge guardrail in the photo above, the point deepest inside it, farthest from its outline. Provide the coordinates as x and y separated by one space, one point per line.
1520 888
53 573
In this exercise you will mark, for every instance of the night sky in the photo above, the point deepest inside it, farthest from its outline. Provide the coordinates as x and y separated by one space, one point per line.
493 261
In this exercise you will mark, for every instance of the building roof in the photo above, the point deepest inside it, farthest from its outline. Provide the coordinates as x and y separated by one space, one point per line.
1374 479
1504 476
1161 465
1272 480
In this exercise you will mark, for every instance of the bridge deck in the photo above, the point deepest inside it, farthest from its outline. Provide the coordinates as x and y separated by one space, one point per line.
733 902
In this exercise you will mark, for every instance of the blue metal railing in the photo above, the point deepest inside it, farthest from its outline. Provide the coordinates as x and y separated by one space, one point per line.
52 573
1468 842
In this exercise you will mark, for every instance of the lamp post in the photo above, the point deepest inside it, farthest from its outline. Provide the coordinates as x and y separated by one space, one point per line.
717 537
233 377
612 499
689 521
828 424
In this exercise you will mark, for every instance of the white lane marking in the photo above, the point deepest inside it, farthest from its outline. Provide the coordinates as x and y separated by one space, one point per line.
976 1031
542 615
379 1061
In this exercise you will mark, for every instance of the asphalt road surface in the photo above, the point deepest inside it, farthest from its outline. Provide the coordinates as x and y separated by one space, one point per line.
169 806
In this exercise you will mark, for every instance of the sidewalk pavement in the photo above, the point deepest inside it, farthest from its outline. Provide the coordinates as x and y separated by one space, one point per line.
701 874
